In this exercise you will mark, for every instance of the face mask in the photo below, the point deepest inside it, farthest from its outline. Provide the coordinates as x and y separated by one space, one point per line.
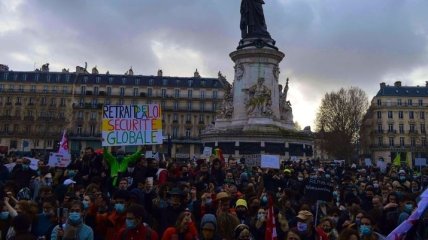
358 222
130 224
119 207
408 208
25 166
327 176
264 200
302 227
85 204
208 201
402 178
365 230
335 219
300 179
74 217
71 174
375 185
261 216
130 169
4 215
48 181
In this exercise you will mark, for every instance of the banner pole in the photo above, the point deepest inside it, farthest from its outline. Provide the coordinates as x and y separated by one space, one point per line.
316 213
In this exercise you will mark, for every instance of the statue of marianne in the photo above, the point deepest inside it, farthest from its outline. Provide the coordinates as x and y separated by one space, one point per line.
253 22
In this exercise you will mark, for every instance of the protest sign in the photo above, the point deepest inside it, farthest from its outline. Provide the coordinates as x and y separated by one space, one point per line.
368 162
59 160
34 163
148 154
420 162
10 166
319 189
126 125
252 160
270 161
208 151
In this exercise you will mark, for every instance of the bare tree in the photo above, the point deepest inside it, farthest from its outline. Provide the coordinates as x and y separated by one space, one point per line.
339 117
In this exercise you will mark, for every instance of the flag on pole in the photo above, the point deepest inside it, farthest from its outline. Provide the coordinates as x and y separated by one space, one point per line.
409 160
397 160
63 145
270 233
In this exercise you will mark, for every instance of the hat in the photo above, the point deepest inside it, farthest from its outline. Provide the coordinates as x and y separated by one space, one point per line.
209 221
68 182
241 202
222 195
304 215
48 175
287 170
401 172
176 191
321 170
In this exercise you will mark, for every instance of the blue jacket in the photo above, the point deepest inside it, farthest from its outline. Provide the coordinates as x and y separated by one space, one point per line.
85 232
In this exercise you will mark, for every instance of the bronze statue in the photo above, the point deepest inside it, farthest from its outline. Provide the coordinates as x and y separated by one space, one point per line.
253 20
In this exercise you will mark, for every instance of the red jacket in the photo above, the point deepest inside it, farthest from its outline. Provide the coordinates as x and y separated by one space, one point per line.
171 232
141 232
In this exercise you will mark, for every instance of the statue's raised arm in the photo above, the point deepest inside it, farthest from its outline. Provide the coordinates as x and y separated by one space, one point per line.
253 24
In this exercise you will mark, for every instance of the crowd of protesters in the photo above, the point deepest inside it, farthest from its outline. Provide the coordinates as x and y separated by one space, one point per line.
113 196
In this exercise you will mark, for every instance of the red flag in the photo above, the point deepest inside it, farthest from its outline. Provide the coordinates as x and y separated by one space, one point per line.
63 145
270 233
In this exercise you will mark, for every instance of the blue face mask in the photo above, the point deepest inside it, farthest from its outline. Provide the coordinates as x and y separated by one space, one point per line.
264 200
365 230
119 207
402 178
71 174
408 208
4 215
130 224
74 217
25 167
85 204
327 176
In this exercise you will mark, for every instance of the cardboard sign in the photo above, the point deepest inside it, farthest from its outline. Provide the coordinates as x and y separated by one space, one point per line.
270 161
59 160
252 160
319 189
127 125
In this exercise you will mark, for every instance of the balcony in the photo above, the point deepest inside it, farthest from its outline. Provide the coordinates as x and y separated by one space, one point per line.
392 131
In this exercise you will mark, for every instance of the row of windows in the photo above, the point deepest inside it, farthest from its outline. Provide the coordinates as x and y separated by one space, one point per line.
124 80
31 113
401 115
400 102
413 141
412 128
32 101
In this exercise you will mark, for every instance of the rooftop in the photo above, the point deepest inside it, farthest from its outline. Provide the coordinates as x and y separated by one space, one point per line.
398 90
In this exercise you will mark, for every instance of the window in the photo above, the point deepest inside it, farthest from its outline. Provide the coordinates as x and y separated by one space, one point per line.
202 94
45 88
390 128
98 80
21 88
188 117
92 130
108 101
214 107
94 102
80 115
189 105
135 92
389 114
1 87
163 92
96 90
54 89
379 102
33 88
380 141
49 143
401 128
122 91
19 100
110 80
420 102
412 141
53 102
79 129
149 92
164 82
151 81
190 83
82 90
174 132
399 103
108 91
424 141
402 141
43 102
411 115
6 128
85 79
48 78
123 81
423 130
412 128
64 89
391 141
202 106
81 102
188 131
163 105
189 93
214 94
36 77
137 81
121 101
61 115
175 117
409 102
201 118
422 115
400 114
177 93
175 105
379 128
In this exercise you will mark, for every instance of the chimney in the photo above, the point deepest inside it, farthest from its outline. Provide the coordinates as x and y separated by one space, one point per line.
196 74
397 84
382 85
160 73
426 83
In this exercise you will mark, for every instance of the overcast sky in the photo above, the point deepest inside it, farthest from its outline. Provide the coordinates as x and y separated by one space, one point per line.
328 43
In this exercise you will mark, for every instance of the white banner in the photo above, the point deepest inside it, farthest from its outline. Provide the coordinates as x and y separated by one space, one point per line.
59 160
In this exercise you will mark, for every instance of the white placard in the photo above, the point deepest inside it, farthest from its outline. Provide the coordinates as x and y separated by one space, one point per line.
34 164
420 162
59 160
207 151
270 161
148 154
10 166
